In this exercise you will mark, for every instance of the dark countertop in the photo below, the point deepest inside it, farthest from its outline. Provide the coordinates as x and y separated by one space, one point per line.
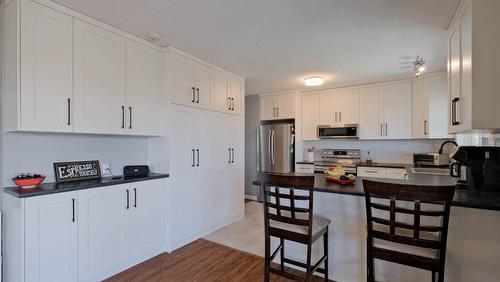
53 187
463 198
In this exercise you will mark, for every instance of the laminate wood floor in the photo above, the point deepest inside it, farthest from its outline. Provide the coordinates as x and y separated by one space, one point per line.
201 260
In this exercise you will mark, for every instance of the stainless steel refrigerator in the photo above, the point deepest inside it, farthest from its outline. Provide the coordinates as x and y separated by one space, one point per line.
275 147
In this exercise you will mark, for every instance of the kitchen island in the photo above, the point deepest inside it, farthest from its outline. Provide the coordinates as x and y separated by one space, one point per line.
473 249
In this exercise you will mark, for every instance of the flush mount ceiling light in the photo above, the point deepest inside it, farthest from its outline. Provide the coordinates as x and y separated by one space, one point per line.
153 37
419 66
314 81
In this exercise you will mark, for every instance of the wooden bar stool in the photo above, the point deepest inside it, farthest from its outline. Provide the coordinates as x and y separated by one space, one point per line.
288 215
407 225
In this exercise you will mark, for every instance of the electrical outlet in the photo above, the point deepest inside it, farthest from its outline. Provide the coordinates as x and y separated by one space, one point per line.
105 169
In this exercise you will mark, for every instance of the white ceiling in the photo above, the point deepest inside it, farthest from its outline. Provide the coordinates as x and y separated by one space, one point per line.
274 44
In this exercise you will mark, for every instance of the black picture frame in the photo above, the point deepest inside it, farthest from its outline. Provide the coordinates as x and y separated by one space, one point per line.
77 171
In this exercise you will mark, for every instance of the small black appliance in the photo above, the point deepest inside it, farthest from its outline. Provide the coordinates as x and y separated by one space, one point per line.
135 170
477 167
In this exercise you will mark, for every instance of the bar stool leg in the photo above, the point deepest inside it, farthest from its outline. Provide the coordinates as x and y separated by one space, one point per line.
282 254
325 252
309 267
369 262
267 262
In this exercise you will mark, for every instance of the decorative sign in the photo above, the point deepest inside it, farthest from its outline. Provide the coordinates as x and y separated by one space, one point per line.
74 171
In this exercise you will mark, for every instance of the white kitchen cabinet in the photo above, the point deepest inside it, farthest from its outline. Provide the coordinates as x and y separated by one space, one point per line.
148 203
339 107
429 101
385 111
189 82
277 106
371 109
397 110
46 69
473 61
51 238
103 231
382 172
228 93
310 116
99 74
206 161
144 90
304 168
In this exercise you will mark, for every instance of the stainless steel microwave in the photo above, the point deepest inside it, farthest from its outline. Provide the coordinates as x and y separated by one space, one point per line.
348 131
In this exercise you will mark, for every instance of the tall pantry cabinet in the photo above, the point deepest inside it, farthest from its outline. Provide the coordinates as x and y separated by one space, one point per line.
206 146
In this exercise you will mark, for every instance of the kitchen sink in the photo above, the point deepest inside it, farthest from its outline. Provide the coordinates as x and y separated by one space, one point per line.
431 170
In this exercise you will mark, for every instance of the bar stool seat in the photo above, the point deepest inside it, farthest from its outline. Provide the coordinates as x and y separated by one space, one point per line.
319 224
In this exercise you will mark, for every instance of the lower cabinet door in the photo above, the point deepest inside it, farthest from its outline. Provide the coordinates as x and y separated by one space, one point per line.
51 238
103 231
147 218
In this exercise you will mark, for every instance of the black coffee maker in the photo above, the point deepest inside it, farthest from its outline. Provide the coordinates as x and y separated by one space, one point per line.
478 168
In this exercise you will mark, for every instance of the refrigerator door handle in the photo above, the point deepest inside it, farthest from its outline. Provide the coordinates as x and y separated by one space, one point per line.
258 149
269 144
272 148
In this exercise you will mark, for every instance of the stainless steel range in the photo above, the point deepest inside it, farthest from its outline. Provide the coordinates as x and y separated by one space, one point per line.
332 157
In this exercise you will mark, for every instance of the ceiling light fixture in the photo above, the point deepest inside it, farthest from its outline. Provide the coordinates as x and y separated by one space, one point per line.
419 66
153 37
314 81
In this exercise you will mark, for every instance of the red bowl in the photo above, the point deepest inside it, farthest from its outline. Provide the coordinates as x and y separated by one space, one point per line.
29 183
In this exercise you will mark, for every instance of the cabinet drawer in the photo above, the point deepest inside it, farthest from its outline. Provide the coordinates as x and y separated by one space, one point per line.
396 173
304 168
378 172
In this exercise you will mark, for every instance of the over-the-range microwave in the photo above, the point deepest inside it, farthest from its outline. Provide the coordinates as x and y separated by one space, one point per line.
347 131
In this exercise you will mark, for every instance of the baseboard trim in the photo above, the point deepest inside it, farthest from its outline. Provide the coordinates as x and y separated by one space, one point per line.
250 197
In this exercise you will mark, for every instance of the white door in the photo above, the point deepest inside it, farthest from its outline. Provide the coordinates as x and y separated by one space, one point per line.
99 80
454 77
182 171
235 188
144 90
51 238
268 107
236 92
438 105
220 86
148 200
180 72
371 108
328 108
286 106
221 161
420 108
203 181
348 106
397 110
464 105
46 69
202 77
310 116
103 231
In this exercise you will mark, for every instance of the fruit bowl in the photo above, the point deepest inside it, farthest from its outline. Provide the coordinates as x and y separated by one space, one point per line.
27 181
337 180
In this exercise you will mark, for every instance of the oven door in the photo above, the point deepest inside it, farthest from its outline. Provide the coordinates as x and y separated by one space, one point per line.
341 132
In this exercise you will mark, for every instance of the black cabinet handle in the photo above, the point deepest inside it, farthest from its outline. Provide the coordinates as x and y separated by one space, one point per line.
128 199
278 111
69 111
229 155
198 157
228 103
123 116
232 107
73 202
198 94
232 155
135 198
425 127
130 117
192 163
454 111
192 100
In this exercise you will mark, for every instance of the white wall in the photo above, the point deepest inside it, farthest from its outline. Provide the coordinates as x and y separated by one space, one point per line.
251 123
36 152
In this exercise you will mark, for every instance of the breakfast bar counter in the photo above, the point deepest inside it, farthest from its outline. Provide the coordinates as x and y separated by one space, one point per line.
473 238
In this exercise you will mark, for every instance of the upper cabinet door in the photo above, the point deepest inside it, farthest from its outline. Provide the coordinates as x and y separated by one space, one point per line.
371 113
220 87
144 98
51 238
268 107
328 114
202 77
397 110
420 108
180 71
46 69
99 80
237 94
348 106
437 103
310 116
286 106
